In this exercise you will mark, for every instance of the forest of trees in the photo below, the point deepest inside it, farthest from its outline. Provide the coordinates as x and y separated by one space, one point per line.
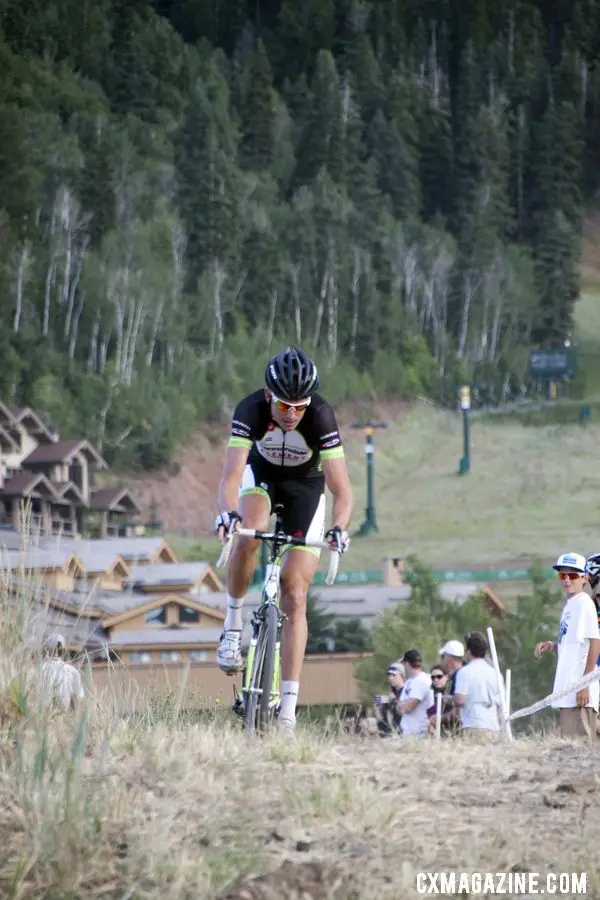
397 185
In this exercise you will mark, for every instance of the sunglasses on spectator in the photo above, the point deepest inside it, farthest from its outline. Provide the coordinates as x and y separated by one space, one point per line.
570 576
284 406
437 677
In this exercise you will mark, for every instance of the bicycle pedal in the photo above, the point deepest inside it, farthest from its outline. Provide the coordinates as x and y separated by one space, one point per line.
238 707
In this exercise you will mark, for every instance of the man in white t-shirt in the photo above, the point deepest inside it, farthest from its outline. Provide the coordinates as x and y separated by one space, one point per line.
60 680
476 693
416 696
577 650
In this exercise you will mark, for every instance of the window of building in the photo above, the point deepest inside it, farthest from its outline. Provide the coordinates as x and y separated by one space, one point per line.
170 656
188 616
199 655
156 616
141 656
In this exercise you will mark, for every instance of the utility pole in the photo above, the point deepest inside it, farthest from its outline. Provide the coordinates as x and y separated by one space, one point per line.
370 523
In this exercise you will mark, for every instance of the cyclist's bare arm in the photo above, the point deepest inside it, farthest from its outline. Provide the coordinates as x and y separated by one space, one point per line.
338 482
231 478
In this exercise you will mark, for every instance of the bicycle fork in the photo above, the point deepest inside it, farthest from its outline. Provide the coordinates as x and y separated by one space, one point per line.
270 597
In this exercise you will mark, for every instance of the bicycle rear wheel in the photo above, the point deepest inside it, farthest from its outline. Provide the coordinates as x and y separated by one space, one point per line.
259 711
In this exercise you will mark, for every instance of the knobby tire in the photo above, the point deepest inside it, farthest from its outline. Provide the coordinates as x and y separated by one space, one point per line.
257 715
266 712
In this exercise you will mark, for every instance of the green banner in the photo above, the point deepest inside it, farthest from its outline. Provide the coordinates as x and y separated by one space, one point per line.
486 574
375 576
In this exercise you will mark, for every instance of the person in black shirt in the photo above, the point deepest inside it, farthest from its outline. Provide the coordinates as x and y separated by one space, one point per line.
285 447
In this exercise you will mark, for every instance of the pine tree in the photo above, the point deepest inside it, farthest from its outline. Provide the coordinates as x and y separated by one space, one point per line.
556 211
436 160
207 176
258 114
313 150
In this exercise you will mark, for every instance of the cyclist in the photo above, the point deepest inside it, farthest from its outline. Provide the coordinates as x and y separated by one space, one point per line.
284 447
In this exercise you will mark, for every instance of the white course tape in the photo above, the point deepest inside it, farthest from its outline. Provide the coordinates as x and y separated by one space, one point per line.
547 701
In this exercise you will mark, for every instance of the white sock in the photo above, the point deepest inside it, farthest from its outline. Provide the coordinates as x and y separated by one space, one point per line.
233 619
289 698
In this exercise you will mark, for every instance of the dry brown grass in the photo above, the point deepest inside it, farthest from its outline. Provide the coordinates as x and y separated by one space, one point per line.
103 805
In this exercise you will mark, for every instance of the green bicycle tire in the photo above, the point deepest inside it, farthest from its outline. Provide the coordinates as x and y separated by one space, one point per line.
266 712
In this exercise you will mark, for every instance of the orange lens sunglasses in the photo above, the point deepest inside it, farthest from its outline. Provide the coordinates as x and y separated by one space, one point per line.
283 406
570 576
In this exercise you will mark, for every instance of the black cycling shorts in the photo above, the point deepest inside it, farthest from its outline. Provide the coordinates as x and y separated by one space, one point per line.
303 500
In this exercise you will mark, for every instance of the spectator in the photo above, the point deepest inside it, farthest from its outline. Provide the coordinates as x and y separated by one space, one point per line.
577 650
386 706
439 683
452 655
59 678
477 697
416 696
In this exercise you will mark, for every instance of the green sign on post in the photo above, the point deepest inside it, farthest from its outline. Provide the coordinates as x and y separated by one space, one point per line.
552 365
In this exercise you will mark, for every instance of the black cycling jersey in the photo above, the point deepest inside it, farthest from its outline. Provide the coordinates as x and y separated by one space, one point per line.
286 454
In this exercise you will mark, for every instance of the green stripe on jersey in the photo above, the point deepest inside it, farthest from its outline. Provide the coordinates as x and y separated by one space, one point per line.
335 453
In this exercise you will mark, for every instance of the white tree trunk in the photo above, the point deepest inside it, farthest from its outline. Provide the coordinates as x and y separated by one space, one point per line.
321 304
355 292
470 287
294 275
271 323
22 260
218 279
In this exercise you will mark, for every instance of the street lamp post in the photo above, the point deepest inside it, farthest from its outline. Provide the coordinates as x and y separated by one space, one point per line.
465 404
370 523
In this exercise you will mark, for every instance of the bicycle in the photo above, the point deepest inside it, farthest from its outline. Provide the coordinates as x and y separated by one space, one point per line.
261 692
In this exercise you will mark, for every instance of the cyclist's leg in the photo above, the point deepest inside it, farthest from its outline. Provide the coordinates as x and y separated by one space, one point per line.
254 507
304 514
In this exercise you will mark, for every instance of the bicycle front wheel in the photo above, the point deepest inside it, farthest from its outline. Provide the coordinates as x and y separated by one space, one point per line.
260 710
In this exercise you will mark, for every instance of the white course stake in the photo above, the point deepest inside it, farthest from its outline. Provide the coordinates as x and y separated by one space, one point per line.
507 688
505 721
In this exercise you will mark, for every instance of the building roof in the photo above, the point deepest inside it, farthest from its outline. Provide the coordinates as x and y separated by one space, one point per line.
11 539
364 602
114 499
95 561
69 492
6 416
77 631
7 442
107 604
63 451
168 636
164 574
33 559
24 414
28 484
132 549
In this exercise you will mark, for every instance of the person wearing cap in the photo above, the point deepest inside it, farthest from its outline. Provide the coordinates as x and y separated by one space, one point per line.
61 682
453 659
577 649
477 697
386 706
416 696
